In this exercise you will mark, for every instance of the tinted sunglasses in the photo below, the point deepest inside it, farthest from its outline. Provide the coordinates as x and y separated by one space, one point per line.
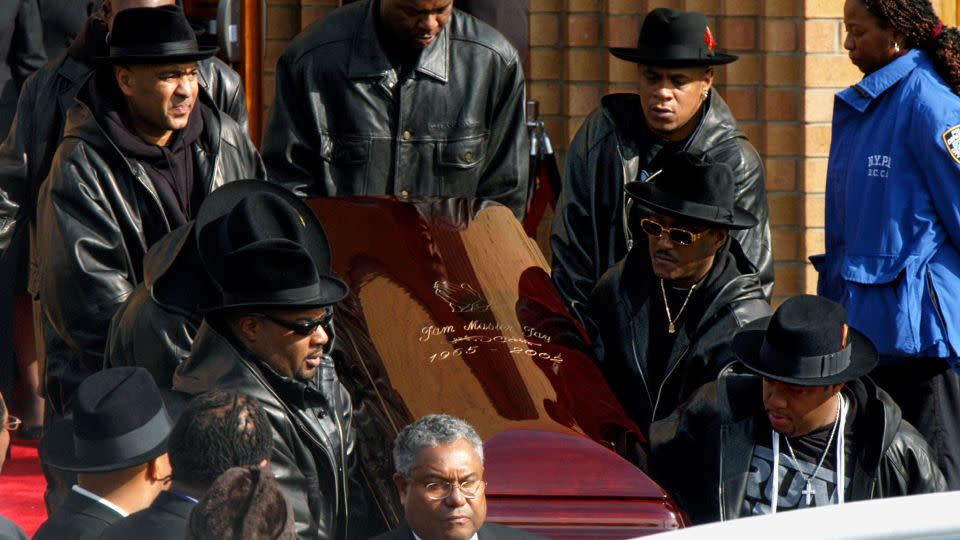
304 328
676 235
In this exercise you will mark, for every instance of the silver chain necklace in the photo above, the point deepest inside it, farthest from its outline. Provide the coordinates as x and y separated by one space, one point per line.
671 328
808 489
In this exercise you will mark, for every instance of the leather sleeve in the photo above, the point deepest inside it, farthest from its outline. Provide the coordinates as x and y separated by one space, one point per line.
908 468
283 465
507 175
583 236
84 266
13 178
677 442
363 517
752 196
226 89
15 185
291 146
144 334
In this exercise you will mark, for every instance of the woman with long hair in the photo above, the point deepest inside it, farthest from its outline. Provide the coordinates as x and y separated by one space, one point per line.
893 210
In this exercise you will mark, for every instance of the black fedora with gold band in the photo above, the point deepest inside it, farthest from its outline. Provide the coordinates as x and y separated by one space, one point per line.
671 38
806 343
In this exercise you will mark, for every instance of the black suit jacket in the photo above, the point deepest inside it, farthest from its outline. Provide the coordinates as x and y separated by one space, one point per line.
78 518
489 531
165 519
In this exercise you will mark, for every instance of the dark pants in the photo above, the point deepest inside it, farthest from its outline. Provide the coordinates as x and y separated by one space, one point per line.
928 393
59 481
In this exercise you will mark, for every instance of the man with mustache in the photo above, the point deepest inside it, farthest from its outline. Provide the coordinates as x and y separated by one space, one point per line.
439 476
628 138
141 149
409 98
269 336
663 316
806 428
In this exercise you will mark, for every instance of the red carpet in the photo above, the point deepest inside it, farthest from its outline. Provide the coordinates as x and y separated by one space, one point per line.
21 487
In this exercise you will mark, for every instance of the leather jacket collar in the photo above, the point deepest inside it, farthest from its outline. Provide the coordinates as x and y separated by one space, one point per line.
368 60
290 390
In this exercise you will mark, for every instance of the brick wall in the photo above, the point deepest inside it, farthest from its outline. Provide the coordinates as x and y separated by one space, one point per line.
570 69
780 90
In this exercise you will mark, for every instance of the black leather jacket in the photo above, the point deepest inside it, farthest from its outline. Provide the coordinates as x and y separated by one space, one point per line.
98 215
313 438
619 311
701 453
343 124
589 233
155 327
42 114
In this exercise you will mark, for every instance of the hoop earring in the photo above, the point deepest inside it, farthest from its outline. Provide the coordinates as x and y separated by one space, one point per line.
706 94
896 47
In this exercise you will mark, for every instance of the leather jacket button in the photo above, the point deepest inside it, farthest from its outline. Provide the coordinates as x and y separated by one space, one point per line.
407 135
404 194
468 156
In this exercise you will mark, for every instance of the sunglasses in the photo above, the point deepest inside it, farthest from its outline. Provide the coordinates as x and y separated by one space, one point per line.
304 328
676 235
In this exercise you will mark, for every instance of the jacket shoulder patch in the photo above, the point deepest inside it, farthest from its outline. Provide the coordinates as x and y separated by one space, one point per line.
951 138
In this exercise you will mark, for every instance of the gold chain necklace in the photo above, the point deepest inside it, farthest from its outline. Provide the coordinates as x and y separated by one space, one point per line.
671 327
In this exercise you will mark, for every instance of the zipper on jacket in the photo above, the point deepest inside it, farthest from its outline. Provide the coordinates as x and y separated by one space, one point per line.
344 470
653 414
296 420
636 361
936 302
138 171
723 517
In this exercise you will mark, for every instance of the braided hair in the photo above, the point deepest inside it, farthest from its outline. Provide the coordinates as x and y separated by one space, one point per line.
922 29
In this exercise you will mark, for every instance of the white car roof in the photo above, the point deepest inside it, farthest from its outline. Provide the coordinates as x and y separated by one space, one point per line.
935 515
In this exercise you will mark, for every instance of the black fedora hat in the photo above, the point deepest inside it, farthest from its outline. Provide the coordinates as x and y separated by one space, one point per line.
155 35
806 343
692 188
120 420
672 38
263 247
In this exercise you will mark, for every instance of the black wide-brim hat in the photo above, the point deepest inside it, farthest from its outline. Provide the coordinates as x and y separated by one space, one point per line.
263 247
156 35
671 38
806 343
692 188
120 420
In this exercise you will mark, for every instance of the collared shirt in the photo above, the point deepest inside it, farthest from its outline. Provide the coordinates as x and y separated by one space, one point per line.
99 499
289 389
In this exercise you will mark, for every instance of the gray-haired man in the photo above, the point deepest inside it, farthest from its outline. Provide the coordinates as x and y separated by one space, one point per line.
439 474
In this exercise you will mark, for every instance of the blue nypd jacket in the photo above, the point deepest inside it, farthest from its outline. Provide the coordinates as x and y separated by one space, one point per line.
893 210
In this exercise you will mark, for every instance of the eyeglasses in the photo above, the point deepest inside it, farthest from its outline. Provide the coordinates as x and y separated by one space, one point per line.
305 328
676 235
441 490
13 423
